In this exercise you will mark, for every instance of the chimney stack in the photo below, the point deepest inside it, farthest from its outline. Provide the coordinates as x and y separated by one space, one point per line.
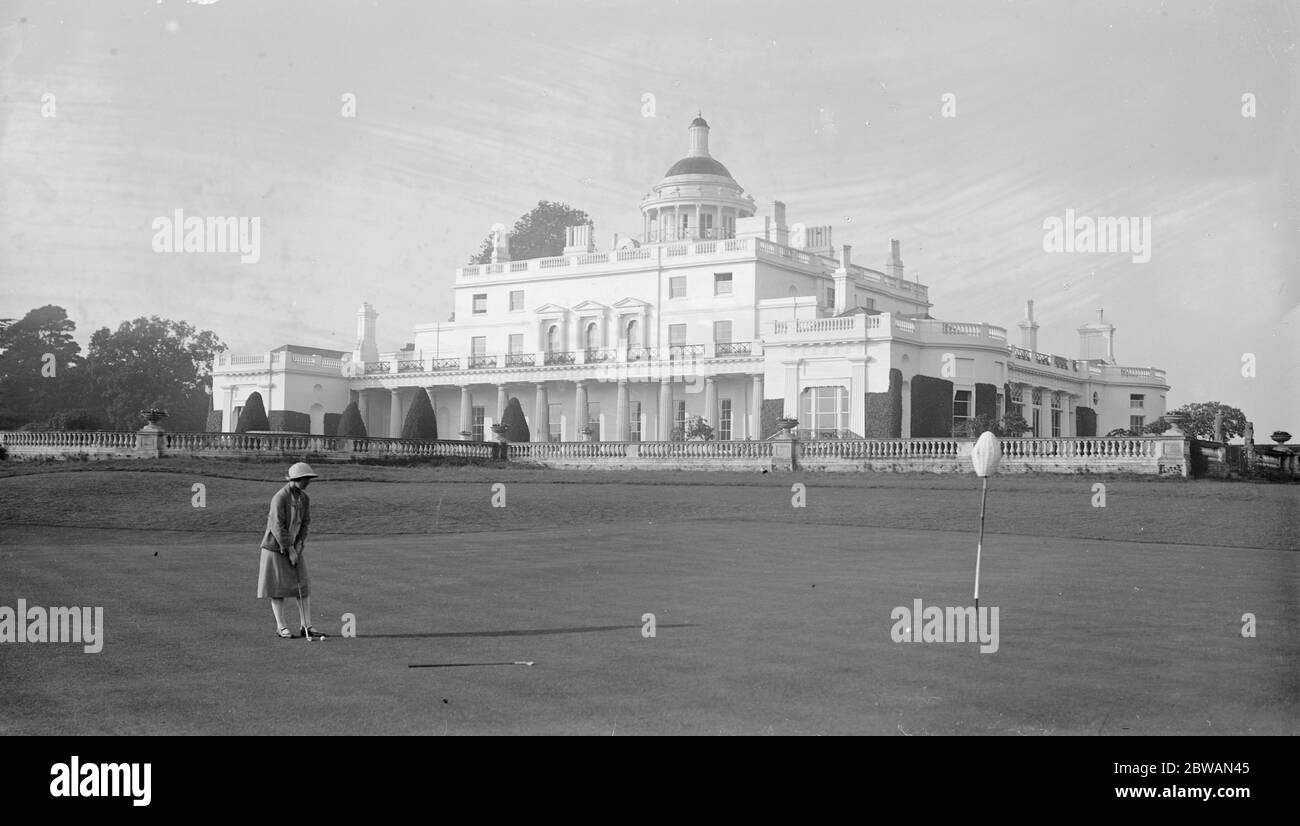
1029 329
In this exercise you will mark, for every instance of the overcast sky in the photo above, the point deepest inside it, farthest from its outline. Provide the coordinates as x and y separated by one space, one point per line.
469 113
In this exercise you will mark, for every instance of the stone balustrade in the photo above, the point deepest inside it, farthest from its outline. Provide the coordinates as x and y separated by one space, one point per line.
1151 455
638 258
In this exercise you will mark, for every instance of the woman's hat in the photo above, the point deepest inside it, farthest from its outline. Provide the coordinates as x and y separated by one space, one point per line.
302 470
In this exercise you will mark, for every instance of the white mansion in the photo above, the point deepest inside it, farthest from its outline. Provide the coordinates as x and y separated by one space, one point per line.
719 310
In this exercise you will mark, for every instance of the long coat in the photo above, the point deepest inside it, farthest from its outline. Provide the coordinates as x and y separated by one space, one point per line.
286 525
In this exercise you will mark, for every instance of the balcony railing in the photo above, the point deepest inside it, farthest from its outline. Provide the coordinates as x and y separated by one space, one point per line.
521 360
642 354
678 352
559 358
733 348
477 362
597 355
378 367
445 364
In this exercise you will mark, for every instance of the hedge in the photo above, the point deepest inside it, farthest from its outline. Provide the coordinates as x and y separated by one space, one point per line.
420 421
350 423
253 416
986 400
773 410
332 423
885 409
1085 421
290 421
516 425
931 407
214 421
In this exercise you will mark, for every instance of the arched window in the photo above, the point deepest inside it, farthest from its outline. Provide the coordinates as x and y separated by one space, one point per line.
593 336
553 339
633 334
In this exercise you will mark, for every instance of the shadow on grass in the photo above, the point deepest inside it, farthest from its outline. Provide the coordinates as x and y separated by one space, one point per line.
522 632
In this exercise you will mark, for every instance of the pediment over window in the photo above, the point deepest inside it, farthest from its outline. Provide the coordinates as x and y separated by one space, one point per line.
630 303
589 305
551 309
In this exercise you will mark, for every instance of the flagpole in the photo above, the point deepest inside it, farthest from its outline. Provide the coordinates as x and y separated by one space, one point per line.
979 548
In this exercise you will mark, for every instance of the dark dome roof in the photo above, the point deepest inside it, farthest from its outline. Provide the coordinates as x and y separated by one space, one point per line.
699 165
700 122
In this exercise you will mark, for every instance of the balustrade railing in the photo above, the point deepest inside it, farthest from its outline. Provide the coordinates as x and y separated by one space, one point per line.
68 438
733 348
1080 447
880 449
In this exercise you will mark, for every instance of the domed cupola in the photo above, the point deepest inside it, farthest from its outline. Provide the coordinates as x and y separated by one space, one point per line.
697 199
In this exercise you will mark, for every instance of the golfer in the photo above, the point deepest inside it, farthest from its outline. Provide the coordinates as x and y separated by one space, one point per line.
284 570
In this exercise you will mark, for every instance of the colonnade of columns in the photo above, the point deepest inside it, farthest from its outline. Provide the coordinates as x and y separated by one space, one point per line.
746 410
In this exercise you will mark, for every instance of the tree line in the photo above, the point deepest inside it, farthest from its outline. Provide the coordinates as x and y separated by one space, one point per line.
47 383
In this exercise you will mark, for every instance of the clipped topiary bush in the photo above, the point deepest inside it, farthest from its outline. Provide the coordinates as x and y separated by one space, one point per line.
931 407
290 421
350 423
515 423
253 416
885 410
773 411
420 423
332 423
214 421
986 401
1085 421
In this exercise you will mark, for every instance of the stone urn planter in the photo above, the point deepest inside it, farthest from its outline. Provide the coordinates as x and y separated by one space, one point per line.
499 430
588 435
1280 436
787 426
465 435
1176 422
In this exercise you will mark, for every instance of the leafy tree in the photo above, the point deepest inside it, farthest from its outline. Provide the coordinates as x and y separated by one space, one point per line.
421 422
515 423
253 416
539 234
1011 426
350 424
974 426
76 419
153 361
697 427
29 391
1200 420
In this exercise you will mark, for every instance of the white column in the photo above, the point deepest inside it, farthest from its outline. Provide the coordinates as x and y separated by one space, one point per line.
621 430
502 401
394 413
791 408
580 411
541 428
665 411
756 412
711 402
466 414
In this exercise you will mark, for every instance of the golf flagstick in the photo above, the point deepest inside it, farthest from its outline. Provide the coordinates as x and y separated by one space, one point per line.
985 456
979 547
